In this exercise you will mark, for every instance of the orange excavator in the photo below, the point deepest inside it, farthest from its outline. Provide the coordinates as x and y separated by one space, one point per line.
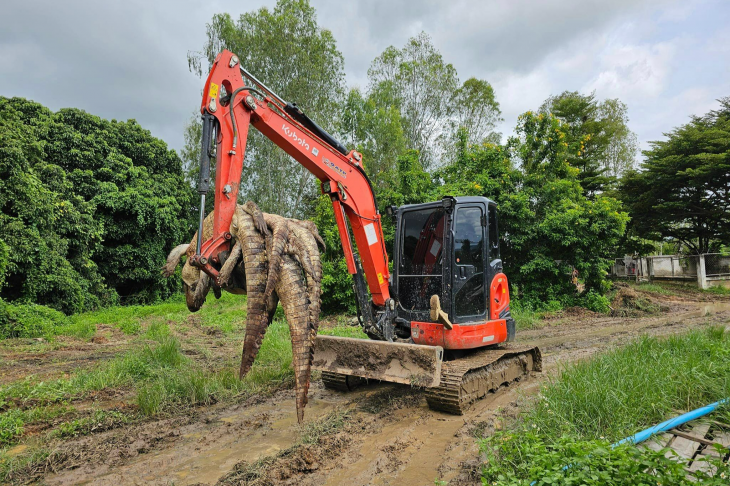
440 319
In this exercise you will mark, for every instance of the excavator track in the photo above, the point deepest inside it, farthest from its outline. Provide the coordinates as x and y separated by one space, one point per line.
340 382
470 378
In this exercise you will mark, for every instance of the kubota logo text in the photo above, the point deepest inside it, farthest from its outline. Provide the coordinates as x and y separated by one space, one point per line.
291 133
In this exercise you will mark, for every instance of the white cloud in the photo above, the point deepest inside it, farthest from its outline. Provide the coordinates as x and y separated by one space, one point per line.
633 71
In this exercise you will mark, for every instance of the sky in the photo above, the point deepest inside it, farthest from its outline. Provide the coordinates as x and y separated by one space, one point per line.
665 59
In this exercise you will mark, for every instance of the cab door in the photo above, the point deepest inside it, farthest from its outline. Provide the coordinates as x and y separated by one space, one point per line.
469 271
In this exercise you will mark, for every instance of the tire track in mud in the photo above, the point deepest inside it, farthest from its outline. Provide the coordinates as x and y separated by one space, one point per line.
389 436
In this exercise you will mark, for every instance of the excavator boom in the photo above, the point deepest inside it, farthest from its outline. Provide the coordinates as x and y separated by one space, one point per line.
229 108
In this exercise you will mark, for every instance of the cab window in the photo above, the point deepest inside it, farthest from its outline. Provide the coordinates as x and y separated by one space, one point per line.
493 233
469 297
421 264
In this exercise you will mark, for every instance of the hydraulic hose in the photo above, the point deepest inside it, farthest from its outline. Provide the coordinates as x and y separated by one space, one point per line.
230 111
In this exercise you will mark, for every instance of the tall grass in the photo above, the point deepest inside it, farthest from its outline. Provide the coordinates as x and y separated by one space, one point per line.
717 290
654 288
636 386
526 318
162 376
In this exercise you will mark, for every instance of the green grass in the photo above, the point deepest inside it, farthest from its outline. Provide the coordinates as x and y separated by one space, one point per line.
594 403
14 420
227 314
162 376
718 290
99 420
132 367
165 370
654 288
636 386
526 318
342 330
29 320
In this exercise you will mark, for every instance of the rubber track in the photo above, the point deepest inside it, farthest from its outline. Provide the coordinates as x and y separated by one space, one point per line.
450 398
343 383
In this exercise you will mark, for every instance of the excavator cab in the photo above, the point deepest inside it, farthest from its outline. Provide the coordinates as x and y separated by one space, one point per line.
450 249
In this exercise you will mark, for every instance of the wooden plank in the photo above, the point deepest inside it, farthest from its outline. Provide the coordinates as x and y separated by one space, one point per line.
658 442
710 451
702 465
722 437
693 437
688 447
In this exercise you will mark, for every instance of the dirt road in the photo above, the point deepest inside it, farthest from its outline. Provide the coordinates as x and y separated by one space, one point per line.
381 434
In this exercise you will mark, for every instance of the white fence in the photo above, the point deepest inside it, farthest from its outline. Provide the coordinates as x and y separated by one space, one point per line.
706 269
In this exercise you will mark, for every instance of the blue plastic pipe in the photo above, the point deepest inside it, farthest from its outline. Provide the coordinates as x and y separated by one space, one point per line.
671 423
664 426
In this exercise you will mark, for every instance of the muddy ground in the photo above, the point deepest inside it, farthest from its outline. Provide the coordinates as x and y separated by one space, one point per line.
380 434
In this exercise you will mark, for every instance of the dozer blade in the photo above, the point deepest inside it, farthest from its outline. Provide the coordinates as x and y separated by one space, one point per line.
411 364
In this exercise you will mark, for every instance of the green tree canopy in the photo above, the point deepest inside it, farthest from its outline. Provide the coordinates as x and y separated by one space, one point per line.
548 226
682 191
375 131
89 208
425 89
598 140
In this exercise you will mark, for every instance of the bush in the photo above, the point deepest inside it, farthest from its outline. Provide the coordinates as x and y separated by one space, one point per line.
30 321
596 302
89 208
523 456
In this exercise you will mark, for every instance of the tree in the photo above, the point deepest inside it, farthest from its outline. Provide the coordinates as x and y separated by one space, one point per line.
88 207
548 226
433 106
553 226
293 56
375 131
683 188
600 143
415 79
620 153
476 111
190 153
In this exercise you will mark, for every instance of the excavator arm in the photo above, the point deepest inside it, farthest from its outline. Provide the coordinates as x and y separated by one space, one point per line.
228 108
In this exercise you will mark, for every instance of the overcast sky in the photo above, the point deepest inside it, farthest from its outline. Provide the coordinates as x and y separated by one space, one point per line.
666 59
